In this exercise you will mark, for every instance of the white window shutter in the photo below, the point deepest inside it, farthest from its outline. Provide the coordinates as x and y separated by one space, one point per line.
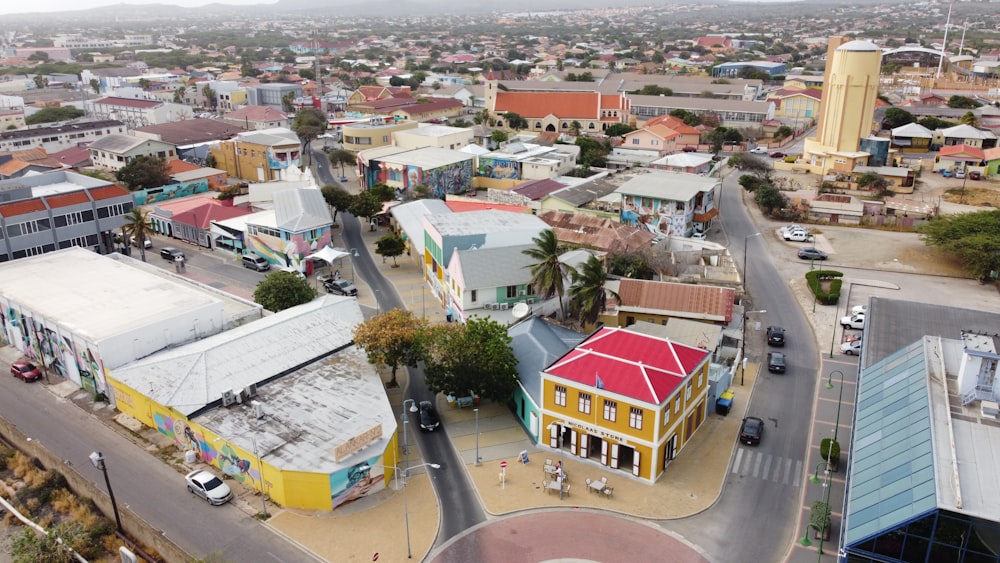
614 456
635 463
554 436
583 445
604 452
572 441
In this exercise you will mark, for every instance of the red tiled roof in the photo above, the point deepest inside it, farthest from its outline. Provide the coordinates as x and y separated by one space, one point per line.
678 299
432 107
129 102
73 156
67 199
963 150
213 210
178 166
107 192
674 123
460 206
639 366
24 207
564 105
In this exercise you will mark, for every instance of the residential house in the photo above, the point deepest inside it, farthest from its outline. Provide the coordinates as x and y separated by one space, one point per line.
686 162
259 156
537 344
11 118
659 138
524 161
256 118
594 197
648 301
190 219
56 138
15 167
992 159
963 135
628 401
912 137
73 157
489 278
46 212
445 235
668 203
960 157
371 93
362 136
687 136
188 134
116 150
601 234
299 224
796 106
898 180
526 194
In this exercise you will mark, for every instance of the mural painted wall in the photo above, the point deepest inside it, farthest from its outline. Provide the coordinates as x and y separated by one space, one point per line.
450 179
65 354
171 191
357 481
291 252
500 169
670 217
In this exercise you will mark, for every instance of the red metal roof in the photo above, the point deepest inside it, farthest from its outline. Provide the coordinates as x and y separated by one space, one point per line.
129 102
459 206
67 199
638 366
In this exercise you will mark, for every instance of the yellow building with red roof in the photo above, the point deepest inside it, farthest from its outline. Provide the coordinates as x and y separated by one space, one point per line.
626 400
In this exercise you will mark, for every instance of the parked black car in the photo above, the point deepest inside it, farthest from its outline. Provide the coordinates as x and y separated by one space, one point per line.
775 336
170 253
751 430
775 362
341 287
429 420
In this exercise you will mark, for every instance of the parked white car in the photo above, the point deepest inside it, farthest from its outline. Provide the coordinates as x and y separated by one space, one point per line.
759 150
792 227
798 236
854 321
859 310
851 347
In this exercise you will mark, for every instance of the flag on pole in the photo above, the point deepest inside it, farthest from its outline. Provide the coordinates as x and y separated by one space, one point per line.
600 382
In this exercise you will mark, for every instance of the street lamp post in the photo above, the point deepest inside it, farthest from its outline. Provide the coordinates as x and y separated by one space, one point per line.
829 385
553 425
260 468
746 315
406 511
97 458
406 422
354 254
479 460
746 268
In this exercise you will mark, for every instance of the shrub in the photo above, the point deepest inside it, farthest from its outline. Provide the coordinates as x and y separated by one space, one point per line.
819 515
829 449
830 296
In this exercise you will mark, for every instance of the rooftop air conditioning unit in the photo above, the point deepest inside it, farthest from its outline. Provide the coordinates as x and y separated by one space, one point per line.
258 409
228 397
251 390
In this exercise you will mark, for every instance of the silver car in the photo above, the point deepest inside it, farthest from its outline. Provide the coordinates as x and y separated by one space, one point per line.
209 487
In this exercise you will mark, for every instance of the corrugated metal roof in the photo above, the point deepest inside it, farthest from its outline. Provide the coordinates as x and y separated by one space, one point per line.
668 186
703 302
536 344
493 267
300 210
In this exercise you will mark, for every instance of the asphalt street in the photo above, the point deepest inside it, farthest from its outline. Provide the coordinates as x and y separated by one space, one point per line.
460 507
759 507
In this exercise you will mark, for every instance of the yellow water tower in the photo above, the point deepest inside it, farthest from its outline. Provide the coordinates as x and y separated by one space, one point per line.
847 110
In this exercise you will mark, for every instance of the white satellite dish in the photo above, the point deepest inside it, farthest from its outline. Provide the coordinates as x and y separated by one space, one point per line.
520 310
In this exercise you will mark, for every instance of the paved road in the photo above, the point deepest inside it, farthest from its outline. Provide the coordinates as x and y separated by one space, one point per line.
140 481
759 507
569 535
460 507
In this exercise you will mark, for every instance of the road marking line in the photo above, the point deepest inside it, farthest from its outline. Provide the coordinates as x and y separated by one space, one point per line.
748 462
756 466
736 462
788 469
767 467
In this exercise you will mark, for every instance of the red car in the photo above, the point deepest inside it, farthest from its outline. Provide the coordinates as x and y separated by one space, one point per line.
27 371
778 155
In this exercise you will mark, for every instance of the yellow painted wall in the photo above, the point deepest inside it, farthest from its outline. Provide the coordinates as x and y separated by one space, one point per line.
243 166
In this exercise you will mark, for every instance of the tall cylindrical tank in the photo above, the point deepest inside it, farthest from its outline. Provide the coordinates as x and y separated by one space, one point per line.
850 95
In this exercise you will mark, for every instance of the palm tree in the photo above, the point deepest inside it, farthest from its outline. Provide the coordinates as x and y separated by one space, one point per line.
137 225
588 296
548 274
574 128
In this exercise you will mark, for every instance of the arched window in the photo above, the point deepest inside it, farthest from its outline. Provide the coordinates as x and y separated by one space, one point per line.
565 125
538 125
591 126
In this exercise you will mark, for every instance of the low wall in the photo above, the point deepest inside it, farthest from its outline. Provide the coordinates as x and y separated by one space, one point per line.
137 528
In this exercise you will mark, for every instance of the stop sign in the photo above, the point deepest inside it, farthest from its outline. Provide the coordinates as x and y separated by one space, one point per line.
503 465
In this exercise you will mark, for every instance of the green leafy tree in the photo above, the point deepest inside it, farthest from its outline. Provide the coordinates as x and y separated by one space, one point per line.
770 199
961 102
574 128
39 56
210 99
144 171
499 136
144 83
342 157
137 225
390 245
40 81
179 95
382 192
687 117
366 204
471 357
654 90
872 181
548 274
50 115
934 123
515 121
896 117
288 102
973 237
782 132
308 124
969 118
619 129
392 339
338 198
55 547
588 295
95 85
632 265
282 290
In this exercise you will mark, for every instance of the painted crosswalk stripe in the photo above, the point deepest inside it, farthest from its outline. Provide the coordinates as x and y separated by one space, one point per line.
798 473
787 473
767 467
736 462
756 466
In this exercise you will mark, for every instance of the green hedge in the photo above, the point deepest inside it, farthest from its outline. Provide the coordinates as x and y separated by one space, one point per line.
829 449
830 297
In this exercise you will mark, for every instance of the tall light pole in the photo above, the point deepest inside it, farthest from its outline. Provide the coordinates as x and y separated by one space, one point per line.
354 254
829 385
260 468
746 267
97 458
406 511
746 315
479 460
553 425
406 422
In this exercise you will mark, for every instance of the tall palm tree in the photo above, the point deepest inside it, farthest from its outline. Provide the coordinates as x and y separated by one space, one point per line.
137 225
588 296
548 274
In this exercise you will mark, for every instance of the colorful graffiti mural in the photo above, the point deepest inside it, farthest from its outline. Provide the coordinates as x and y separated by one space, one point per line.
500 169
453 178
226 458
171 191
355 482
292 252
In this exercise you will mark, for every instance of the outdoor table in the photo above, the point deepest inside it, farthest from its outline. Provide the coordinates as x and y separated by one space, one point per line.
597 486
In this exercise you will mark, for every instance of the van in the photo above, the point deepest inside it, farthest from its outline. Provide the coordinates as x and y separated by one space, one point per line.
255 262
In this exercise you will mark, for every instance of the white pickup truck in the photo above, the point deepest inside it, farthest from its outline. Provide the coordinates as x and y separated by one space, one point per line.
855 321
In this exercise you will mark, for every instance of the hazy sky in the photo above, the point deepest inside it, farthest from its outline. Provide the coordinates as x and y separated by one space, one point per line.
10 7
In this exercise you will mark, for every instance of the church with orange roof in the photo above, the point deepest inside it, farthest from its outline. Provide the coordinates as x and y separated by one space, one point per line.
556 111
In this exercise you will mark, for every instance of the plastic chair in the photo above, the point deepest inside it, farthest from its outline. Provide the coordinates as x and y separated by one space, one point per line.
566 489
604 480
608 491
548 461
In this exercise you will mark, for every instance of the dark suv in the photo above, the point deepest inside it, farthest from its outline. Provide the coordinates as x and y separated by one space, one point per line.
752 430
775 336
775 362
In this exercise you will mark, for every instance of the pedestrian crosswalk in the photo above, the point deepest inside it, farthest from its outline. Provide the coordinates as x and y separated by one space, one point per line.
767 467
